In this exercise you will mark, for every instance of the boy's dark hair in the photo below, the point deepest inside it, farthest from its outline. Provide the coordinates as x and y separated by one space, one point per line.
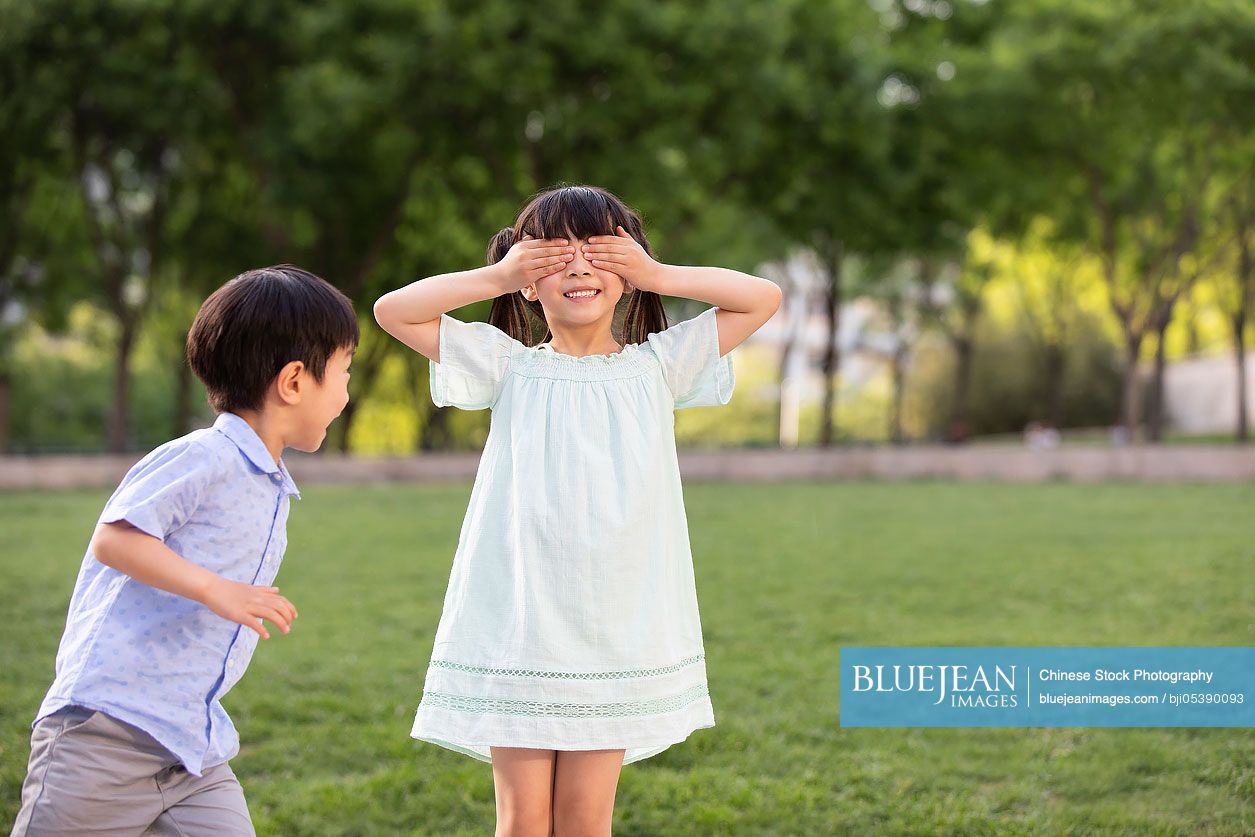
255 324
577 212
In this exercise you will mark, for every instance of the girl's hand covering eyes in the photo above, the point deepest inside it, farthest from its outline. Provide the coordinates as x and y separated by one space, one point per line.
531 260
623 256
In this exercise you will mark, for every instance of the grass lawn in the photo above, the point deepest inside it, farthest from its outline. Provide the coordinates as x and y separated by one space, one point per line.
786 573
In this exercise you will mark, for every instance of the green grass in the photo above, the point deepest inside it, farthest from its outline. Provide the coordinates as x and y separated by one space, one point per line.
787 574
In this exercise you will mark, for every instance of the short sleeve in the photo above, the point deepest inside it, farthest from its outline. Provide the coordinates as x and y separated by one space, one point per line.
163 490
689 354
474 358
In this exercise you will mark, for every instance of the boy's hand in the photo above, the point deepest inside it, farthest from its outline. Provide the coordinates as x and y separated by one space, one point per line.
531 260
623 256
248 604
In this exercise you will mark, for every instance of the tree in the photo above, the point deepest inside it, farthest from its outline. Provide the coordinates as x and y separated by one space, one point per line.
1048 280
819 163
1126 104
1237 288
41 269
125 92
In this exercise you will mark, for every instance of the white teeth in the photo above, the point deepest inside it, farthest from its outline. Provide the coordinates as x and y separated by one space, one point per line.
574 294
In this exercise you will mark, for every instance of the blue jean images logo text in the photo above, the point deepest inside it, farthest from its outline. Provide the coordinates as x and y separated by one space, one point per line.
1047 686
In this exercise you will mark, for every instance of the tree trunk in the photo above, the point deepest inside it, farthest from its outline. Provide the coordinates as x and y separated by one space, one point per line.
958 429
1130 402
1246 274
435 433
899 388
431 431
6 387
182 393
346 424
120 420
782 371
368 366
1155 416
1239 348
832 260
1056 362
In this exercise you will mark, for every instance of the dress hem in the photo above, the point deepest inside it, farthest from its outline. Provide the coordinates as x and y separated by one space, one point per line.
474 734
465 747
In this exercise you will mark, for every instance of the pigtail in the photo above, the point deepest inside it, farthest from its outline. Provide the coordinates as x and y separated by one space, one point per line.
509 311
644 315
499 245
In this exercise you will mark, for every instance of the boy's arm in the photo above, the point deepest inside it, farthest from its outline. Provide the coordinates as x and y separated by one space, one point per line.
148 560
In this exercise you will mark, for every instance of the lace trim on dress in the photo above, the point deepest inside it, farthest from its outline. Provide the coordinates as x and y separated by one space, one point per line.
467 703
570 675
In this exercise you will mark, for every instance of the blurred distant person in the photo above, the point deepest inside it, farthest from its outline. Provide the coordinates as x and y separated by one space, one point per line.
1041 435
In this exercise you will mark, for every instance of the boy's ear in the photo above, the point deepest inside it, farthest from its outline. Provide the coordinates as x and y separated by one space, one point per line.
289 382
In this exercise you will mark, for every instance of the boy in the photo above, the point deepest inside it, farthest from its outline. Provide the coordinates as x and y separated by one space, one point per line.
132 733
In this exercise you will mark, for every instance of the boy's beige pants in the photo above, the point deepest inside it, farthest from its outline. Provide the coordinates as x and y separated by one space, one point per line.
90 773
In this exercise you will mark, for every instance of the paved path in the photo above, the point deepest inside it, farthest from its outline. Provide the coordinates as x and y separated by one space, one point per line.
1014 463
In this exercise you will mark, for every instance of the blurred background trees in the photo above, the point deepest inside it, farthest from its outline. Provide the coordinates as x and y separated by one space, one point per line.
1016 206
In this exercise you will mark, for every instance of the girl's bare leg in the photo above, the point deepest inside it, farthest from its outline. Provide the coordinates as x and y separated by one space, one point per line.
584 787
524 779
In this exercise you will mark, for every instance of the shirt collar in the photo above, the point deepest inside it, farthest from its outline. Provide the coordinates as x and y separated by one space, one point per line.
250 444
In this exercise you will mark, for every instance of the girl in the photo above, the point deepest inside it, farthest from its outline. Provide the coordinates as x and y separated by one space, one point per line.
570 642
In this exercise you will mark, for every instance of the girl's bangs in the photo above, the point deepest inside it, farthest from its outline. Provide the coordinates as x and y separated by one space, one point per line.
575 212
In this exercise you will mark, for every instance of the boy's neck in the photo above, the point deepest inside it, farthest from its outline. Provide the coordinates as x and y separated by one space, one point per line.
266 430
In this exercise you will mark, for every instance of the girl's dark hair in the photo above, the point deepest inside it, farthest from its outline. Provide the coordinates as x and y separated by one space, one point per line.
575 212
257 323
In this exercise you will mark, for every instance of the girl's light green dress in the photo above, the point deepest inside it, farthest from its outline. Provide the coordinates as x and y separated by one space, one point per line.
570 621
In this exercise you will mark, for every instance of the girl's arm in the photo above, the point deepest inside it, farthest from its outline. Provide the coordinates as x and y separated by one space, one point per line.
745 302
412 313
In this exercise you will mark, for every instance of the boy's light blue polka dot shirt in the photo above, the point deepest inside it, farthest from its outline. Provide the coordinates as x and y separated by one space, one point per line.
156 660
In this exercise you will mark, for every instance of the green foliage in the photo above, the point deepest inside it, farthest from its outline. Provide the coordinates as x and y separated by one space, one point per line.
379 141
62 388
1008 384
